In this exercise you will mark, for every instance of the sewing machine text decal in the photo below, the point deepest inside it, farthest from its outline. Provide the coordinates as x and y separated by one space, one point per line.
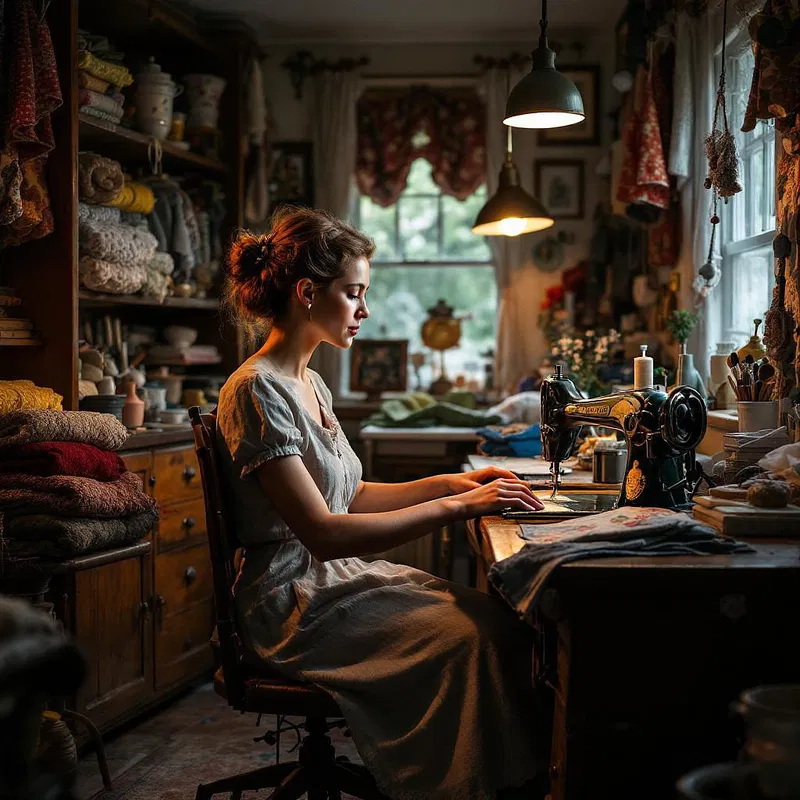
618 409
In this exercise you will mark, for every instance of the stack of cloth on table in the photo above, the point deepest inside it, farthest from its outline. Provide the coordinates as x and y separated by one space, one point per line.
624 532
101 76
63 489
421 410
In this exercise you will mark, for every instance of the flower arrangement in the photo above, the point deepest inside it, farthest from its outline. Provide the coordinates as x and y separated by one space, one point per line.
584 355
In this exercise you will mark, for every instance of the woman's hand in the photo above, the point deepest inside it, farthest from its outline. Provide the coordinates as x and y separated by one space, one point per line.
466 481
497 495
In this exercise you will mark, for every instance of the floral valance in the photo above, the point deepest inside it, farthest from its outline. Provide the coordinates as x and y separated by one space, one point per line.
396 126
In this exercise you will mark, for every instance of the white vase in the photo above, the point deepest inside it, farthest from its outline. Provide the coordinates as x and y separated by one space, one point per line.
204 93
155 95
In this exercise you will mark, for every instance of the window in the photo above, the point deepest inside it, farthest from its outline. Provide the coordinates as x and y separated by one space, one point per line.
425 250
748 219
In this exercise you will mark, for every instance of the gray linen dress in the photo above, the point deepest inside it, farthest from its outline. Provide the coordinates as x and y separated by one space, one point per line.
433 678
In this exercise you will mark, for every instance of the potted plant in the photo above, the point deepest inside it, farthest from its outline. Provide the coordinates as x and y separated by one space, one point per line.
680 324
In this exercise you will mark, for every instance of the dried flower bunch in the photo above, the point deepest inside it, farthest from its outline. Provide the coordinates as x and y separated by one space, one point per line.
584 354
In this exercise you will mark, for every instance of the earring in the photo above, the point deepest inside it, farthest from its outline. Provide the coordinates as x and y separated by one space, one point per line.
309 311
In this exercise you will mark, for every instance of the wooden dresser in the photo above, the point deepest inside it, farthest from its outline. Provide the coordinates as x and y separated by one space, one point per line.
144 614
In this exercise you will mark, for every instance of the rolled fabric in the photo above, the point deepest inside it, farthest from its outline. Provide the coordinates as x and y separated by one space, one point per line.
135 197
67 496
100 179
118 243
51 537
98 114
105 70
88 81
106 276
62 458
16 395
103 214
111 104
104 431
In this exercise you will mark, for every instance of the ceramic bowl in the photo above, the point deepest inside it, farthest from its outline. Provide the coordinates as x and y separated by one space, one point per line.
173 416
180 336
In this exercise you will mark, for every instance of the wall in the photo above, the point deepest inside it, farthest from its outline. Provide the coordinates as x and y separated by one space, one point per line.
291 120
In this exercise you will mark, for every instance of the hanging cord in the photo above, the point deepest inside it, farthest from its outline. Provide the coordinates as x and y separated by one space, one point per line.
543 24
154 155
509 139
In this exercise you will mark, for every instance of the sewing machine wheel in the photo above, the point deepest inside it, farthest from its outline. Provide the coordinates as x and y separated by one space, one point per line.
683 419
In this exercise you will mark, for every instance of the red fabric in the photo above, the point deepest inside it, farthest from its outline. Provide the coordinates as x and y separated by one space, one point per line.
62 458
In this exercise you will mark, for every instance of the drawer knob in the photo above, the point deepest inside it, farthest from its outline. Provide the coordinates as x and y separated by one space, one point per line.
190 576
188 473
189 522
152 480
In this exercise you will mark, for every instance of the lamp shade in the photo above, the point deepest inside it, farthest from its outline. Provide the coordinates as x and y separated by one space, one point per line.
511 211
544 98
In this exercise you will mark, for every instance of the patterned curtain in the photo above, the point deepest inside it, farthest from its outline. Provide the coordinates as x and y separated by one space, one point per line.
396 126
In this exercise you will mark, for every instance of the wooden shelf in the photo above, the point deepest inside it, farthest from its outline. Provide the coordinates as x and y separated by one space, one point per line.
20 343
130 147
91 298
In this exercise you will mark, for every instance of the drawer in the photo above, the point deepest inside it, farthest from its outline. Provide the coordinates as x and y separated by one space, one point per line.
182 644
182 577
181 522
177 475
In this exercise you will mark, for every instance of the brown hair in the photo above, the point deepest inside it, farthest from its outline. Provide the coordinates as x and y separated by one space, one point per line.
303 243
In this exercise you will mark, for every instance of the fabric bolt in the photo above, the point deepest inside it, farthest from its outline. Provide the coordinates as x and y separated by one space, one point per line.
22 394
100 179
69 496
105 70
118 243
135 197
106 215
99 114
104 431
47 536
429 667
62 458
158 271
88 81
106 276
111 104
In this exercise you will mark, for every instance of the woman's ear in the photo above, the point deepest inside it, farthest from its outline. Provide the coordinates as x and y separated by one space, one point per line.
305 291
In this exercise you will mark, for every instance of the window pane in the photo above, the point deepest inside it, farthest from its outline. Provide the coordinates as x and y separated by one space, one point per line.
399 299
420 178
756 181
459 243
419 227
751 280
379 223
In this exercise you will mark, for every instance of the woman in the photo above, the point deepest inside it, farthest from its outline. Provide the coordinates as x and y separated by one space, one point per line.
433 678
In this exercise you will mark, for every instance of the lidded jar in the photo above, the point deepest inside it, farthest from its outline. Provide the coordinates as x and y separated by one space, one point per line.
155 94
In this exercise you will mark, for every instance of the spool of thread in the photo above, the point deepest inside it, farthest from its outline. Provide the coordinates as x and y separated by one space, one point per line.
643 370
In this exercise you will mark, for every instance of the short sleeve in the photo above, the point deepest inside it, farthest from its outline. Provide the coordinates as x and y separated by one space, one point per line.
258 425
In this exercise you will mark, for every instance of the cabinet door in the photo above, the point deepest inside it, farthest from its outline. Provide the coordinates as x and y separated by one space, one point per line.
142 465
114 625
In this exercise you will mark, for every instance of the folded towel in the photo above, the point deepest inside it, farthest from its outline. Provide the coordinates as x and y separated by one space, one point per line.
105 70
36 425
106 215
52 537
62 458
110 103
66 496
88 81
15 395
98 113
106 276
119 243
100 179
624 532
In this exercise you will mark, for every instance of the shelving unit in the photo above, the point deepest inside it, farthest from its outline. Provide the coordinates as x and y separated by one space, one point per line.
95 299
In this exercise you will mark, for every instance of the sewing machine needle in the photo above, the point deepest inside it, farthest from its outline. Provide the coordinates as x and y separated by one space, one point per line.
554 468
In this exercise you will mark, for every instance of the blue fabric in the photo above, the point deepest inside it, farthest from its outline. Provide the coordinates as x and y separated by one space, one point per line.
526 443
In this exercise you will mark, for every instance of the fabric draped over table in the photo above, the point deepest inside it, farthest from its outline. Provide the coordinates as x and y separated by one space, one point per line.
445 126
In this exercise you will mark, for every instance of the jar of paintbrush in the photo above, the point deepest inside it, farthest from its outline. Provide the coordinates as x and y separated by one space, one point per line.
753 381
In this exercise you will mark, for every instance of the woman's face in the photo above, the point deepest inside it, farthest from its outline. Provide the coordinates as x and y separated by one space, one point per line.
338 310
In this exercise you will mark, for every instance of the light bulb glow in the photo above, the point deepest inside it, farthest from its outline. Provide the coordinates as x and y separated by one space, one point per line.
513 226
544 119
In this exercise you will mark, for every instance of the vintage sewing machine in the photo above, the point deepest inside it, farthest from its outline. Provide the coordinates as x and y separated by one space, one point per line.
662 431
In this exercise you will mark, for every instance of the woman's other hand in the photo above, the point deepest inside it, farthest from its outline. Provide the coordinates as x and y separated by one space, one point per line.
466 481
499 494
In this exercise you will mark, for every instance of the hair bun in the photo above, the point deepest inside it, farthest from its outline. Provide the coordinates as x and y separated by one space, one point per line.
249 255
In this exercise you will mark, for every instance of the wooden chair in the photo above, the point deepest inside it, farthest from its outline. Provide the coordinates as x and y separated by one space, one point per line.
259 690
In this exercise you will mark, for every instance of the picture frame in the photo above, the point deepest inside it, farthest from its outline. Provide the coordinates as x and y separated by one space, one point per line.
586 133
379 365
291 178
559 183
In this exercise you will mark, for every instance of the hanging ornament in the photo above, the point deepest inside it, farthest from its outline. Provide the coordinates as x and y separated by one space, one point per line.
709 275
720 146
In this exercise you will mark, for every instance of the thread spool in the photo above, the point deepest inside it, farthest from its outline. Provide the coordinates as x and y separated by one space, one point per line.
643 370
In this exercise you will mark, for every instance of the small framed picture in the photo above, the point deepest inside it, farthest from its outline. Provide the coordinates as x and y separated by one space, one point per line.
586 133
291 177
558 183
379 365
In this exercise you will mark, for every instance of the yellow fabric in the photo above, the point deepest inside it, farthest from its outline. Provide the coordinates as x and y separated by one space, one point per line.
88 81
105 70
16 395
135 197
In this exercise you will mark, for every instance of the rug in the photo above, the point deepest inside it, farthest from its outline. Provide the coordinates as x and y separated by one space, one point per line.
197 740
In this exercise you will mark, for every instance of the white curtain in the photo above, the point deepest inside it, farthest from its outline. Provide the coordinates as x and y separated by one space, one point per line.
334 98
697 40
520 342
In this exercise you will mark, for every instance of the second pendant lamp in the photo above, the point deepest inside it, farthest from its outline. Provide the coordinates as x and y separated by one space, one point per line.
544 98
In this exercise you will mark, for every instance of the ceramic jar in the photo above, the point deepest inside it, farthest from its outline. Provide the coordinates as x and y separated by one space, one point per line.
155 94
133 410
204 93
718 381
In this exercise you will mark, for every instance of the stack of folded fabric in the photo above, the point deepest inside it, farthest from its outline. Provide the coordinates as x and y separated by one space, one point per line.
63 489
16 395
99 82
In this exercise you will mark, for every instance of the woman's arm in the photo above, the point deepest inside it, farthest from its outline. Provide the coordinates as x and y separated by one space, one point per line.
297 499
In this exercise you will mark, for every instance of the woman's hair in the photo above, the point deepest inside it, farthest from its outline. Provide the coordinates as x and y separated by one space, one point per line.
302 243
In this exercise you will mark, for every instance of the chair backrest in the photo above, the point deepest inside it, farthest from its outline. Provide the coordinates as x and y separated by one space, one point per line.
222 545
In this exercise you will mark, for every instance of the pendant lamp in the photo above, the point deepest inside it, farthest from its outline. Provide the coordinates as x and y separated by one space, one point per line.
511 211
544 98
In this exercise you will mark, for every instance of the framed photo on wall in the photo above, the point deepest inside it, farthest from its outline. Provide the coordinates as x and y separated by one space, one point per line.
586 133
291 177
559 184
379 365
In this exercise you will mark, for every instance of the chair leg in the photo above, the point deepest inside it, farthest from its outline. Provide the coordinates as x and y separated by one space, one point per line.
292 787
263 778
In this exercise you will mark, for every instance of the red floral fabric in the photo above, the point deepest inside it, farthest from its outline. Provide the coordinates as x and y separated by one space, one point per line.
644 178
447 127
